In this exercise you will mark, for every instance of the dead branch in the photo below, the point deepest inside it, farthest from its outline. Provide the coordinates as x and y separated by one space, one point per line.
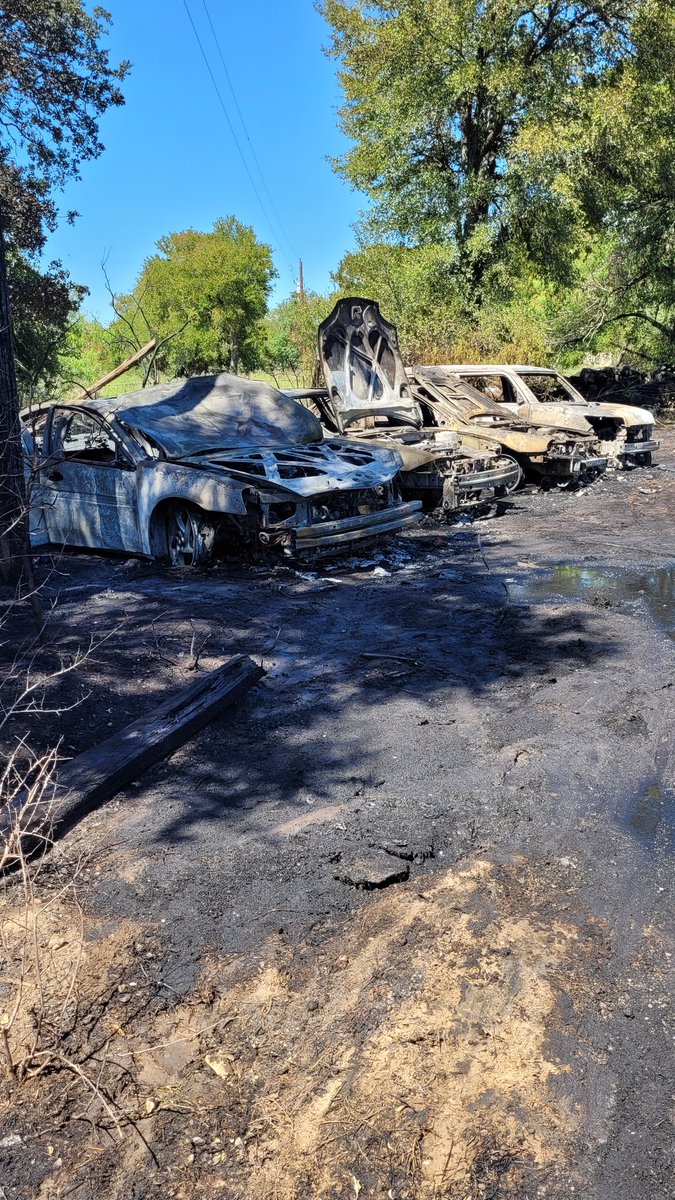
158 347
123 367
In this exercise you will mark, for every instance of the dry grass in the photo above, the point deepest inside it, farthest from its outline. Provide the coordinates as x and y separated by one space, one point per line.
404 1056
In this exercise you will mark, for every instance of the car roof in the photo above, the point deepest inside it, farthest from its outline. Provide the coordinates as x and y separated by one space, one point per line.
519 368
210 411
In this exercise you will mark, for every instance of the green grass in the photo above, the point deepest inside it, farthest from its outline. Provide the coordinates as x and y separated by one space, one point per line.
133 380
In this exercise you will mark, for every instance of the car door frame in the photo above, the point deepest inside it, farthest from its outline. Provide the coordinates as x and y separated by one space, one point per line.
90 505
513 405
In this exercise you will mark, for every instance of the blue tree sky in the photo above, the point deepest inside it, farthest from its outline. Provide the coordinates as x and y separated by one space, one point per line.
172 163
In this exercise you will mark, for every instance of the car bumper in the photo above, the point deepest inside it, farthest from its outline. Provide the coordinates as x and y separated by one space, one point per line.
569 467
352 529
633 449
503 478
599 463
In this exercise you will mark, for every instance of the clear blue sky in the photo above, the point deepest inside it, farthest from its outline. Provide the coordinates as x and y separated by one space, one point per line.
170 161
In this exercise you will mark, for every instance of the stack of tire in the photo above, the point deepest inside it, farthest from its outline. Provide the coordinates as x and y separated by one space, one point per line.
628 385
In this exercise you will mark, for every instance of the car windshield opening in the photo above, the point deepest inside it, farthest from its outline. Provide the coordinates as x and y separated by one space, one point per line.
548 388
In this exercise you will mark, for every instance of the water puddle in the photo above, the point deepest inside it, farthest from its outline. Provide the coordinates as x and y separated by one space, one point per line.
604 586
651 816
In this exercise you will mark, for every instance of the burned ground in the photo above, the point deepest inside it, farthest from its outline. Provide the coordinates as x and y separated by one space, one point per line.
490 710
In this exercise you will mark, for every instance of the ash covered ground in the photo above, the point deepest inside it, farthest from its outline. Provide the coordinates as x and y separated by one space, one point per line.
401 925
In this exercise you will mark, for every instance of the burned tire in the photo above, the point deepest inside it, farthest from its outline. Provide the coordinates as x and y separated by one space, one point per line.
644 460
190 535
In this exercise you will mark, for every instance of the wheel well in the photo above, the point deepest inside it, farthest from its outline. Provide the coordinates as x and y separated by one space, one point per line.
159 546
227 526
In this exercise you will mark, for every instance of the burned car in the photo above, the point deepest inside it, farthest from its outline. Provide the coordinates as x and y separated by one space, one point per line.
625 433
178 470
546 453
368 395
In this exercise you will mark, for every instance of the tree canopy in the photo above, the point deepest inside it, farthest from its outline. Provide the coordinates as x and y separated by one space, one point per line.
56 80
203 296
455 111
44 304
504 146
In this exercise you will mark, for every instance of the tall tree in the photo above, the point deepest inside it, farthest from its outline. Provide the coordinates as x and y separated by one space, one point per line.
56 80
626 298
452 108
203 296
44 303
290 346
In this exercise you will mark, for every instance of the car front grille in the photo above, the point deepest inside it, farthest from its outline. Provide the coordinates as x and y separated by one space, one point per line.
336 506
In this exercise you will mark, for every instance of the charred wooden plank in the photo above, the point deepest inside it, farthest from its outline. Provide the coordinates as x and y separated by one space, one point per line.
99 773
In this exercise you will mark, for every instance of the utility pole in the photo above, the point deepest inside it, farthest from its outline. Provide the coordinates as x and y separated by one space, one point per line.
301 283
12 485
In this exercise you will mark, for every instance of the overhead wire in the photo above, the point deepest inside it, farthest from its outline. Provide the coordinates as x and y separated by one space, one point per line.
254 156
234 136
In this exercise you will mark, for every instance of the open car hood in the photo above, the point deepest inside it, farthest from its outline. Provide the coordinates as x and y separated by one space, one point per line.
188 416
362 365
457 396
467 401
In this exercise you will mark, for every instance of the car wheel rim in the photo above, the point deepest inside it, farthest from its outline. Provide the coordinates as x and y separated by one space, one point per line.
182 538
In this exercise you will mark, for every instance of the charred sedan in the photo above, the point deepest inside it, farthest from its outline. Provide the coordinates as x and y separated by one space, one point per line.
176 471
368 394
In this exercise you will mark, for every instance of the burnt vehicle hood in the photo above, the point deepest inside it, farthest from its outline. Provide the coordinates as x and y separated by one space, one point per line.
223 423
362 365
624 413
218 423
187 416
335 464
482 413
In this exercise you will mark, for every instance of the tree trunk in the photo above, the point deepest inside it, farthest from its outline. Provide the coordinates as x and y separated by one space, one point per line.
12 486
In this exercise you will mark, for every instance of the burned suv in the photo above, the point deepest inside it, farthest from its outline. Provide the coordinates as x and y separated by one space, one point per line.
625 433
179 469
548 454
368 394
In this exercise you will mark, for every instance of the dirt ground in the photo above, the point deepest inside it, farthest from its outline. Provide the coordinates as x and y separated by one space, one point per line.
400 925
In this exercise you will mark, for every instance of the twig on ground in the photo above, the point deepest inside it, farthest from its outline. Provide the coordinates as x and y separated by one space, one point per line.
405 659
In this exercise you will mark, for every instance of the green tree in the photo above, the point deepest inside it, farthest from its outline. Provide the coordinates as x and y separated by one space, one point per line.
454 109
439 321
56 80
624 303
291 346
88 352
44 306
203 296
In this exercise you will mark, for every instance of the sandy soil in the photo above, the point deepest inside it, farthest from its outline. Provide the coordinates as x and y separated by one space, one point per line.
488 710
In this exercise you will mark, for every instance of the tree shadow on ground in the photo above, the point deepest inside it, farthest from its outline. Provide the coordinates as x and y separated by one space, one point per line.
348 651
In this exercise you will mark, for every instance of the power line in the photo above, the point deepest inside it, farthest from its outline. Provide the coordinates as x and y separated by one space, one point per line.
232 131
254 156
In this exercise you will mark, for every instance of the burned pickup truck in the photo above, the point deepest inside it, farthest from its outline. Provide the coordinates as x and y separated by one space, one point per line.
625 433
180 470
368 395
547 454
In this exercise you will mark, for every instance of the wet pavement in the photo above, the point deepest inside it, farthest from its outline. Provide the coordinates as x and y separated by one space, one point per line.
651 816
